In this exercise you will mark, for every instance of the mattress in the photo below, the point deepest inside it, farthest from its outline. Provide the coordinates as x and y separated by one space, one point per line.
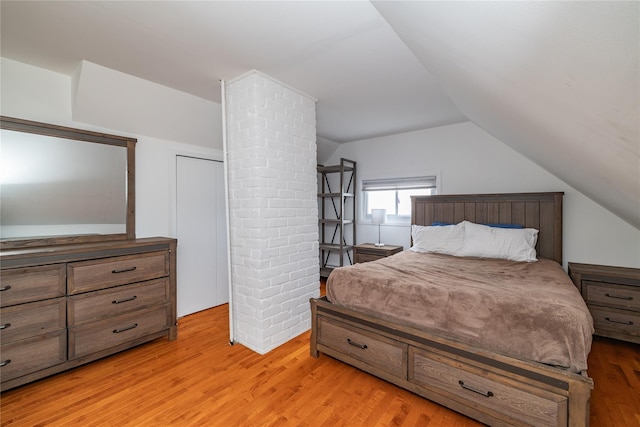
529 311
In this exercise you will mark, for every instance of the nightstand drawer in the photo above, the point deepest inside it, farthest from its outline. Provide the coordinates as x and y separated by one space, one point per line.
610 295
360 257
620 321
366 252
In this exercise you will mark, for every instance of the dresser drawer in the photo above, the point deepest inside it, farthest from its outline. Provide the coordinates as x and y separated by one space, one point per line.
104 273
450 378
107 304
621 321
35 318
31 355
375 350
20 285
96 337
610 295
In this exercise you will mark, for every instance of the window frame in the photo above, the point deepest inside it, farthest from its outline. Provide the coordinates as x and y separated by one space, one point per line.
430 180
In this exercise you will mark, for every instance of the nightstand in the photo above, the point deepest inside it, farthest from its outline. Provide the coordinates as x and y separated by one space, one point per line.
369 252
612 295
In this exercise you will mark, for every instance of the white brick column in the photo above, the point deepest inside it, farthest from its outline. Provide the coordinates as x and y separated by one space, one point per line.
273 211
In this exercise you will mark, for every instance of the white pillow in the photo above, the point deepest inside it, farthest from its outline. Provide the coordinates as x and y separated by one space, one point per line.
446 239
504 243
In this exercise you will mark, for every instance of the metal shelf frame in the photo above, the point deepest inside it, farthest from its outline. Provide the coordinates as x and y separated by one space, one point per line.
335 230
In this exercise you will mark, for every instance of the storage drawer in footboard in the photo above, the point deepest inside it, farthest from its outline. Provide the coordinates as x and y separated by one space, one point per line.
487 391
374 350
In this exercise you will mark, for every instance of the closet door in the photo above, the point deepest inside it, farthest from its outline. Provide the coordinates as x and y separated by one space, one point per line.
200 228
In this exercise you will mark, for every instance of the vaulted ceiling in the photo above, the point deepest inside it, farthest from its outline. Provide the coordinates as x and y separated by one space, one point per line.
556 81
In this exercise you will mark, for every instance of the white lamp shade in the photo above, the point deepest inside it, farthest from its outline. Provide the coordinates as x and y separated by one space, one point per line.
378 216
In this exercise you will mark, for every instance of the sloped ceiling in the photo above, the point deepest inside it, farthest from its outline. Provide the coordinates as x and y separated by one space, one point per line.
343 53
556 81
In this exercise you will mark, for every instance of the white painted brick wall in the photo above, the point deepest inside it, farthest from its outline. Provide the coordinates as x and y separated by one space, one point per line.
271 144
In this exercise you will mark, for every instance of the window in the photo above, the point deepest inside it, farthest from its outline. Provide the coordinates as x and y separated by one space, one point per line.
394 195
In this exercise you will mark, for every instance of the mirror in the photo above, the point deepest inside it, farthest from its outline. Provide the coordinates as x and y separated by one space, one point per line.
61 185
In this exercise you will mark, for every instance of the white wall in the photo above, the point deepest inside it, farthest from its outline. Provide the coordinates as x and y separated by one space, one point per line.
469 160
116 100
156 185
34 93
326 148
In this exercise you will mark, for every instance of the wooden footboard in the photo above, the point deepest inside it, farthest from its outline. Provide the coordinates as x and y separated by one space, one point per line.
486 386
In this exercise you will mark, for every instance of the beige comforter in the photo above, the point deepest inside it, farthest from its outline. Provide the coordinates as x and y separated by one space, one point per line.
530 311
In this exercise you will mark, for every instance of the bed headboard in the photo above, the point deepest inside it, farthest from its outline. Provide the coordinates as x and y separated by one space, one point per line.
542 211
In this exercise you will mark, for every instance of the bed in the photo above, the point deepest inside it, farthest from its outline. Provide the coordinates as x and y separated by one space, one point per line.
493 383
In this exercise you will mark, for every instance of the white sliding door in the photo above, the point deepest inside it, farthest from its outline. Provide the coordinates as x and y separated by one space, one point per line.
200 229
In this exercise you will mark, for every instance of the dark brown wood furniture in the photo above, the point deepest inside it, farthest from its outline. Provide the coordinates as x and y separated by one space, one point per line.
66 305
613 297
486 386
366 252
66 300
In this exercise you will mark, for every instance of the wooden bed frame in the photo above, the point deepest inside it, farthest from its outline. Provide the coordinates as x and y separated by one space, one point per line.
489 387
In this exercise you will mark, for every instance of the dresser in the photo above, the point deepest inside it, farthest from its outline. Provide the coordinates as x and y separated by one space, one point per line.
366 252
613 297
66 305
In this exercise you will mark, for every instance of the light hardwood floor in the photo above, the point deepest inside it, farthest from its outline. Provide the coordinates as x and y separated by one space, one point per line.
200 379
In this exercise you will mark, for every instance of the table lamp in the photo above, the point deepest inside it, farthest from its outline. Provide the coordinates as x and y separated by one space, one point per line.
378 216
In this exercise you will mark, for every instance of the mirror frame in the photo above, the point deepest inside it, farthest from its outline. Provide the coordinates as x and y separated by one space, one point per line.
28 126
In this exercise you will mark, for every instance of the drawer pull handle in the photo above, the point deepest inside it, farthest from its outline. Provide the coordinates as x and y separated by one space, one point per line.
117 331
5 326
124 270
475 390
608 319
5 363
618 297
5 288
355 344
120 301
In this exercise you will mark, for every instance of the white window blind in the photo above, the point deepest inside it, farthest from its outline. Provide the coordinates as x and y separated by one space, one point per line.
414 183
394 195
